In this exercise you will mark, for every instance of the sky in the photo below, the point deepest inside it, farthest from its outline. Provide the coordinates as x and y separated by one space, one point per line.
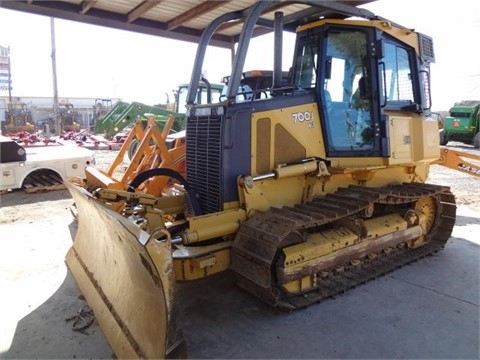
98 62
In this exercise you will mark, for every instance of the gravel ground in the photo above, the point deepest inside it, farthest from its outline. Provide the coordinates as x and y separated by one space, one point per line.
464 187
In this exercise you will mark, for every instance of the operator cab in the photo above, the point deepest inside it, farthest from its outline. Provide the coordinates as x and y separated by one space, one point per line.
357 73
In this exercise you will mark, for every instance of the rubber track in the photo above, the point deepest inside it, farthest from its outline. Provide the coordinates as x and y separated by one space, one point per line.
255 249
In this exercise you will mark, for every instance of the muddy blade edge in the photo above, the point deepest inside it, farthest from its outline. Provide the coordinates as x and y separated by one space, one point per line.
120 282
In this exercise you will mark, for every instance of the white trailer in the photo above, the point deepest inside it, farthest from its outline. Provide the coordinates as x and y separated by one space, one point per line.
40 168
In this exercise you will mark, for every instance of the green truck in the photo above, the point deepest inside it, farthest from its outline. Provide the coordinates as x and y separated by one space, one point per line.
463 124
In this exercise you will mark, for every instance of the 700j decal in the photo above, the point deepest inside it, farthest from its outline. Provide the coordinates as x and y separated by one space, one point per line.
299 117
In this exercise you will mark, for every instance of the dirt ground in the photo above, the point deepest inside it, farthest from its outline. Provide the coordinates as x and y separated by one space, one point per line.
36 230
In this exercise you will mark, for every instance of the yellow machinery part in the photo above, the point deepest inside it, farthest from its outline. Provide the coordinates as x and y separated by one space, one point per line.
113 262
196 263
329 245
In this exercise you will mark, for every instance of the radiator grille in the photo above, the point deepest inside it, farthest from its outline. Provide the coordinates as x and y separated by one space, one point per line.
204 161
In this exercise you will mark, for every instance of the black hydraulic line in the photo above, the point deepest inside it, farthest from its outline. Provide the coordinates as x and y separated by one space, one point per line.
145 175
209 90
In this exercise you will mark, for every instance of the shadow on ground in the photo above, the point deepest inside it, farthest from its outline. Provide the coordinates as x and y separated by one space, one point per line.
45 333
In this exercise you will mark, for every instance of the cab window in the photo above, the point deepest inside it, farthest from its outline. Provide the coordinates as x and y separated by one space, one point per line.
348 115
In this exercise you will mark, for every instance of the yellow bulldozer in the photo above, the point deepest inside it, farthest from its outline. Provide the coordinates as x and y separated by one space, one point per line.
18 118
303 187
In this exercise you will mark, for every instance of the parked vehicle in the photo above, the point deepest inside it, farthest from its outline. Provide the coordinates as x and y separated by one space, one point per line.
18 118
463 124
40 168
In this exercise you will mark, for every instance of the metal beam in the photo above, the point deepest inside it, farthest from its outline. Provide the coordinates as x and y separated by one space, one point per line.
194 13
142 9
87 5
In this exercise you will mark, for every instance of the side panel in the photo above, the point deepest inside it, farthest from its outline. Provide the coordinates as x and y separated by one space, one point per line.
236 155
286 135
13 175
427 144
413 139
401 140
8 176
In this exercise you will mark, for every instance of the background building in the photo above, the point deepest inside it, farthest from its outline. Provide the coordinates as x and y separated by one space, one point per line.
5 78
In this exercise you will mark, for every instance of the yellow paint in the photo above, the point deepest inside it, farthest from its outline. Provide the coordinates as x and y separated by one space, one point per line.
328 241
384 225
187 269
318 245
213 225
301 122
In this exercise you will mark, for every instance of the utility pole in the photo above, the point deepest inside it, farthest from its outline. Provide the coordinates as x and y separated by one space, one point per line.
9 77
56 118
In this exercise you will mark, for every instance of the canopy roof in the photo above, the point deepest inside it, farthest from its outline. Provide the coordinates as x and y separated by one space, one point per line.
181 19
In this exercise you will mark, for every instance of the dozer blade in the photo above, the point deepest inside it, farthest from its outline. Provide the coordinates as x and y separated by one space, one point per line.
131 299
